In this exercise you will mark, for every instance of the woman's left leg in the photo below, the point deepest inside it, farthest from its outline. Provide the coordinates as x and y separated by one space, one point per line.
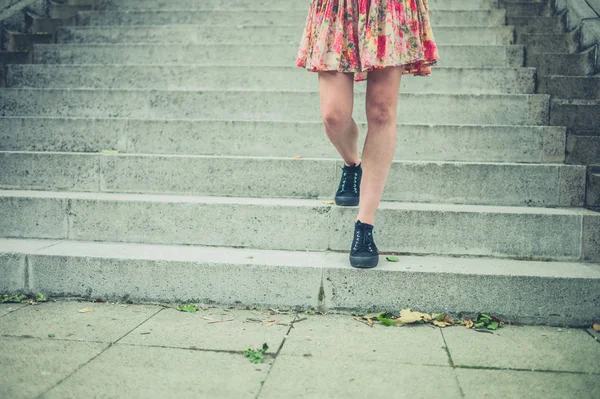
383 87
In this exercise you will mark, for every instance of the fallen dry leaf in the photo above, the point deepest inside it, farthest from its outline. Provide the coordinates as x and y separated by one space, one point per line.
409 317
596 326
468 323
297 156
328 202
370 322
84 310
271 322
441 324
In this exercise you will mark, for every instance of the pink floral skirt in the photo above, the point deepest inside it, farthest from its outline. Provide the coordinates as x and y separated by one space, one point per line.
357 36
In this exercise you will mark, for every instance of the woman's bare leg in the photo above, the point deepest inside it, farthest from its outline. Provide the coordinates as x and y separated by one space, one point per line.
337 100
380 145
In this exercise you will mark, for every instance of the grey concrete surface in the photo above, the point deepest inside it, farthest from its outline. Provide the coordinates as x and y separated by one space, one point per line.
525 347
103 323
6 308
531 232
496 80
473 183
282 33
206 329
518 291
319 337
236 54
292 106
322 356
12 270
125 371
515 290
525 384
414 142
31 366
301 5
266 16
356 377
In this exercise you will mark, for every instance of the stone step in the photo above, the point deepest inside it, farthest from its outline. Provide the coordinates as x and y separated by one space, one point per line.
569 87
593 190
267 34
528 9
550 42
236 55
286 177
562 63
554 24
557 293
266 16
192 77
507 109
583 149
277 4
293 224
576 114
542 144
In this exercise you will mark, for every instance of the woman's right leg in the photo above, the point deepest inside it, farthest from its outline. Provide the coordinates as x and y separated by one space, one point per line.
337 99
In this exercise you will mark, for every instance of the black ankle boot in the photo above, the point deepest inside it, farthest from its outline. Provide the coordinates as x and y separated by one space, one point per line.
364 253
348 193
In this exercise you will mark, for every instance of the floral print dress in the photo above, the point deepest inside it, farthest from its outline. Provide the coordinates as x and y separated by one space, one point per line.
357 36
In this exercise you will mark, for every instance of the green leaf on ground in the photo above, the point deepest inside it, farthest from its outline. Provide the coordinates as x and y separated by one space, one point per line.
51 335
392 259
256 355
374 315
187 308
16 298
493 326
39 297
385 321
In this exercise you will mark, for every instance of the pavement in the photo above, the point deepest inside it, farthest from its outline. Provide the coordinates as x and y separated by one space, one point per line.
112 350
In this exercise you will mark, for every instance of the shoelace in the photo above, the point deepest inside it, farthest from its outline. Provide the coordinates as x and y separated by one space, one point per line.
343 184
363 240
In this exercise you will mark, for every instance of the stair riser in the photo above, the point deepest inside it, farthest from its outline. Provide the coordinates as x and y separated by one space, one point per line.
489 184
570 87
274 106
266 17
583 150
112 277
576 116
302 227
214 34
563 64
593 195
414 142
116 272
547 43
536 24
275 4
444 80
234 55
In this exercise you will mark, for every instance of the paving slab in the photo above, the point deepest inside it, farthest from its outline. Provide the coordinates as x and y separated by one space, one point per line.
206 329
525 347
340 336
104 323
125 371
31 366
526 384
356 377
6 308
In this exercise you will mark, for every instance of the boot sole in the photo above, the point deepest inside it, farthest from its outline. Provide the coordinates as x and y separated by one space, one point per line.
362 262
344 201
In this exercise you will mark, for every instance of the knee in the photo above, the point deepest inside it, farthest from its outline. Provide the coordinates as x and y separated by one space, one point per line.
381 113
336 120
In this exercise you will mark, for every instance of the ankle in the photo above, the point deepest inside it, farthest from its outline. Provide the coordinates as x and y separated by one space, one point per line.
357 163
368 221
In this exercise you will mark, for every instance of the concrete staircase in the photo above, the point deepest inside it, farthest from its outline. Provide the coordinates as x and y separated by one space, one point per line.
154 154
